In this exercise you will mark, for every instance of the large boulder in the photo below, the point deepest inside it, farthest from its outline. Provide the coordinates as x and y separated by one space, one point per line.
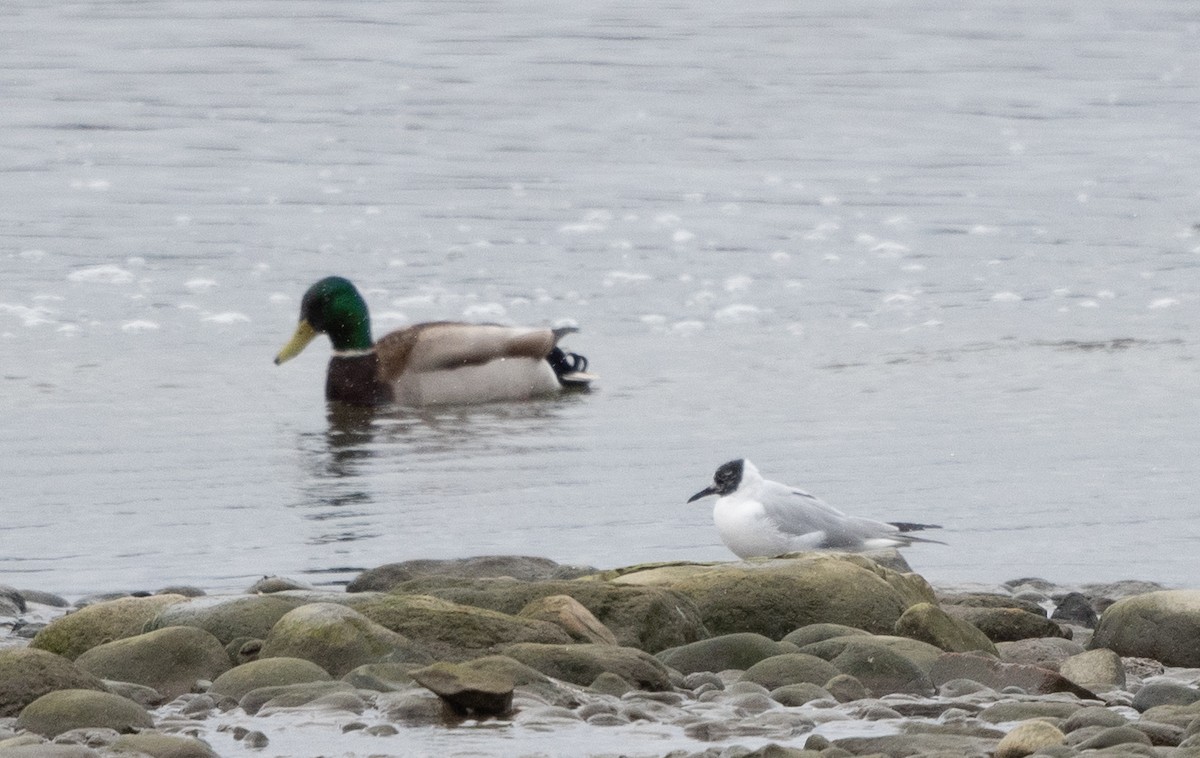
524 568
776 597
1162 625
648 618
63 710
581 664
1007 624
169 660
729 651
228 618
455 632
929 623
790 668
268 672
162 746
992 673
72 634
885 664
26 674
337 639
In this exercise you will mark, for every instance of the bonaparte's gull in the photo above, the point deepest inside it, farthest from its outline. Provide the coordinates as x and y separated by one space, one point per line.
760 518
433 363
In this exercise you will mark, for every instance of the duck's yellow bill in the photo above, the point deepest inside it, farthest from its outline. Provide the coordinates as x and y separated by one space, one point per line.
304 335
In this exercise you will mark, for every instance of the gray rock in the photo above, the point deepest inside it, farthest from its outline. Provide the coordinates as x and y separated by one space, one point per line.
992 673
728 651
469 689
382 677
569 614
1028 738
1000 713
169 660
792 695
920 654
147 697
989 600
1047 652
228 618
272 584
1006 624
1093 716
775 597
929 623
12 602
1095 670
790 668
63 710
880 667
162 746
337 639
289 695
1112 736
1160 625
47 750
237 681
581 664
45 598
524 568
813 633
1164 692
645 617
74 633
26 674
1075 608
453 631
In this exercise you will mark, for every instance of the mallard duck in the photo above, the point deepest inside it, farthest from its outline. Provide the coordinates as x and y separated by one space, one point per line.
435 363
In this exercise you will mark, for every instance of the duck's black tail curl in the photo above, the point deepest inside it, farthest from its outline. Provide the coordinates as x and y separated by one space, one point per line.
570 368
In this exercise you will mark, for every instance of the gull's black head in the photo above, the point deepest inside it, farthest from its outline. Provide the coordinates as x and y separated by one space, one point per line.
726 481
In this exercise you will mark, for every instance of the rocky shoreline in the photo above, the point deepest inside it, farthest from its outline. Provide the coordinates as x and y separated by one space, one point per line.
814 655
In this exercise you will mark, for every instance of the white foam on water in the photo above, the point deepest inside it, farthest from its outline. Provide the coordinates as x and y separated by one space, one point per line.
227 317
139 325
200 284
738 312
1006 297
103 274
28 316
1163 302
484 311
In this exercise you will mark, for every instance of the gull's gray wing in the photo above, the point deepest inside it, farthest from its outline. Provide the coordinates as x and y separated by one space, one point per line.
803 515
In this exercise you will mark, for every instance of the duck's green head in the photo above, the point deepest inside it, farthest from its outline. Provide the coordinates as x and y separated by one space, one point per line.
331 306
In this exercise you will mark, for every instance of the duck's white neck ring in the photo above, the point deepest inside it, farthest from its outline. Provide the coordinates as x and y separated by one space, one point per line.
353 353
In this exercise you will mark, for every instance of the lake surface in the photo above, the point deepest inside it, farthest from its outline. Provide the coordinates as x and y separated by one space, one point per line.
931 262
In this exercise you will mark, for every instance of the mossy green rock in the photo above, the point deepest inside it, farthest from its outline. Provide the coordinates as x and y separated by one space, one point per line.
813 633
63 710
1162 625
266 672
921 654
775 597
455 632
1007 624
169 660
74 633
581 664
26 674
884 664
929 623
469 689
648 618
229 618
729 651
790 668
337 638
162 746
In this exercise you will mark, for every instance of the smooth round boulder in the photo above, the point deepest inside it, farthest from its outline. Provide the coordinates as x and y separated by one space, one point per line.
74 633
929 623
581 664
1028 738
266 672
790 668
63 710
728 651
881 667
169 660
1006 624
775 597
228 618
26 674
1097 670
162 746
572 616
1160 625
336 638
